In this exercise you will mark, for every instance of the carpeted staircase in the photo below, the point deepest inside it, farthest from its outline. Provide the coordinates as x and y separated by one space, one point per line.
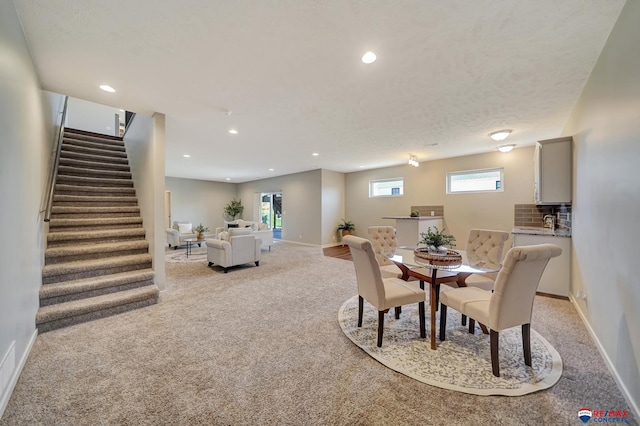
97 261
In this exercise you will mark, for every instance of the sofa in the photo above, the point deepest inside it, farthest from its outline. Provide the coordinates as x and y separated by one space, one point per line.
241 246
181 231
259 229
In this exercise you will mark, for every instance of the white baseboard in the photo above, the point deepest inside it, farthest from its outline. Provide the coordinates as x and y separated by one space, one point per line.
635 405
6 395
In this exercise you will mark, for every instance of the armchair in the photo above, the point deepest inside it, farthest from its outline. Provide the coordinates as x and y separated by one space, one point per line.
179 232
240 248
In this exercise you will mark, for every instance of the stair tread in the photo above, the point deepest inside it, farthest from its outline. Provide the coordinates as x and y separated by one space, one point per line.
93 151
93 157
95 209
94 179
86 284
93 264
84 198
65 170
91 304
99 143
95 248
97 221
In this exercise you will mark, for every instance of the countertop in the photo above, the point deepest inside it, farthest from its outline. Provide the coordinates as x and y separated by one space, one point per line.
413 218
532 230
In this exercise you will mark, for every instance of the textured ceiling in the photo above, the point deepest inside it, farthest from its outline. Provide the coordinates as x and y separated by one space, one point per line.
448 73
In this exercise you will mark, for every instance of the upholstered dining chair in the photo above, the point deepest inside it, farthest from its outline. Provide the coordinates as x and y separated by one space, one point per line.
384 242
382 293
511 302
485 247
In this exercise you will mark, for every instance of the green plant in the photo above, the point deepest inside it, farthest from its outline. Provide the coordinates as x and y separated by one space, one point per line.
346 225
234 208
436 238
415 213
200 229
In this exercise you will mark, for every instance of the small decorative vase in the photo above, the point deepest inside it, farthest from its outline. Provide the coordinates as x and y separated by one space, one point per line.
200 236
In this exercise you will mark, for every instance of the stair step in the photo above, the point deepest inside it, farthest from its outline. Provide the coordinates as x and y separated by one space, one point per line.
72 253
56 225
92 151
61 238
84 190
92 164
96 201
94 158
95 286
91 136
74 312
117 146
79 171
92 268
92 181
71 212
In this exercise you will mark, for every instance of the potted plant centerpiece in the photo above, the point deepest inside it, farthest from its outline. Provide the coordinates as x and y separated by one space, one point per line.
234 208
415 213
436 241
200 229
346 227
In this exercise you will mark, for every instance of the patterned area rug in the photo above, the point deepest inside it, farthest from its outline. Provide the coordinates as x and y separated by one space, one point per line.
462 362
198 254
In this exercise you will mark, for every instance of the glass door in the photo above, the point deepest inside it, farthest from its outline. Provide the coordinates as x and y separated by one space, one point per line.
271 212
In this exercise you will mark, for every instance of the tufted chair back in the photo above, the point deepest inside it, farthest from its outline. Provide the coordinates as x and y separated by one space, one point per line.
383 240
485 246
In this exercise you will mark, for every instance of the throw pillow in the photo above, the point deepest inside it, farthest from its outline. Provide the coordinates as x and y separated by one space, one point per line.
185 228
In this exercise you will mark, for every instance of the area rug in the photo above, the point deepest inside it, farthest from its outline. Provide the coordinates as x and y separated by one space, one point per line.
198 254
462 362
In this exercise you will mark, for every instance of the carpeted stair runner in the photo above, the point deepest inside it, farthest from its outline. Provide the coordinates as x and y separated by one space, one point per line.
97 261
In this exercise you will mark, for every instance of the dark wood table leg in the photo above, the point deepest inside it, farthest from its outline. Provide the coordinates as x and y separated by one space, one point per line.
434 306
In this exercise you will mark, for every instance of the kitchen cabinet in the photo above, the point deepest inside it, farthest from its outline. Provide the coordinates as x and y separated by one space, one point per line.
556 278
408 228
552 171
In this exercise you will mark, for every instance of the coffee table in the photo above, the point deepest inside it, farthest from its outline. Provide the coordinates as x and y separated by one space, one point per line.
190 242
421 269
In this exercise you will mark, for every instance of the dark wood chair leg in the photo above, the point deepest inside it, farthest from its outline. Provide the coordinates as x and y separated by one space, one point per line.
257 263
495 361
443 321
380 327
472 326
360 308
464 319
397 310
226 270
210 263
526 343
423 328
437 296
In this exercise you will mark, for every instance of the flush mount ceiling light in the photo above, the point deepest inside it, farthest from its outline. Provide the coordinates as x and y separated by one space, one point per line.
500 135
506 148
186 156
369 58
270 170
233 131
413 160
107 88
227 178
315 154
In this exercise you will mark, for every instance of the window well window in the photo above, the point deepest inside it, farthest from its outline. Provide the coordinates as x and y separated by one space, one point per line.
486 180
386 187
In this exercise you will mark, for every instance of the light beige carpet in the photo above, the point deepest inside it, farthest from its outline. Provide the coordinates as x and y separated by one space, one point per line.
263 346
462 362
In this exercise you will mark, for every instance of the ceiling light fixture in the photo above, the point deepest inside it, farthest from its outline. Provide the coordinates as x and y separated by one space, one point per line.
500 135
369 58
227 178
186 156
413 160
107 88
270 170
233 131
315 154
506 148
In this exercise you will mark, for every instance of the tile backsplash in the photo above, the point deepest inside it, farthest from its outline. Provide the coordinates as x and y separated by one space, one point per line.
532 214
426 210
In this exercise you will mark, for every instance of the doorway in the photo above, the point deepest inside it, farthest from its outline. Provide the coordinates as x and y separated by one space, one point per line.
271 212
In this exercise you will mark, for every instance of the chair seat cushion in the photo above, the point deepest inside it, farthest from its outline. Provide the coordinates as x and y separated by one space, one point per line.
459 298
480 281
399 292
390 271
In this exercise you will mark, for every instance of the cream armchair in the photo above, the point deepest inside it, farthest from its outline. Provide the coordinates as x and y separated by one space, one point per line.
240 248
259 229
180 232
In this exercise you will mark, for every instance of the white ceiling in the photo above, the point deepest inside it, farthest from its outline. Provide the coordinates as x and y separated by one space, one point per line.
448 73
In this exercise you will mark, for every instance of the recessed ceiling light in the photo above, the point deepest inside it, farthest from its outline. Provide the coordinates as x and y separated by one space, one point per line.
233 131
227 178
369 58
362 167
315 154
500 135
270 170
107 88
186 156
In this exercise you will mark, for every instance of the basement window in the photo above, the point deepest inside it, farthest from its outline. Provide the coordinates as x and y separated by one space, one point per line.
486 180
393 187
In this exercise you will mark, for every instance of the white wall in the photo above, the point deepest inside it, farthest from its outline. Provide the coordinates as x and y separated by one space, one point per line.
92 117
301 204
605 125
26 123
426 185
333 205
145 148
199 201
